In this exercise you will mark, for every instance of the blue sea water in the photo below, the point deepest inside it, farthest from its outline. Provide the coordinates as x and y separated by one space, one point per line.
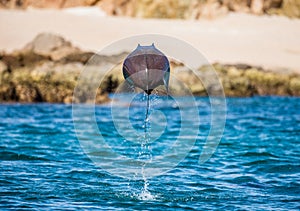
255 167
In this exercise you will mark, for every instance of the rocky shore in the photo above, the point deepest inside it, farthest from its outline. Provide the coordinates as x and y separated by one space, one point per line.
193 9
47 70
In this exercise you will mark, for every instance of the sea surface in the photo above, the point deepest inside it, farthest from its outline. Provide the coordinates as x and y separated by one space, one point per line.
256 165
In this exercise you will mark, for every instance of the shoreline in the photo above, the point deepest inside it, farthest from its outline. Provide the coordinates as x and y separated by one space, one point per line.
13 103
48 68
271 42
253 56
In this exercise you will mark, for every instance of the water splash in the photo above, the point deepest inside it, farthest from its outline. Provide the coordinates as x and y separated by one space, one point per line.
145 154
136 193
145 193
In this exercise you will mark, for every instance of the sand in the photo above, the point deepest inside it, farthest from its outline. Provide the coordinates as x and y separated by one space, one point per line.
267 41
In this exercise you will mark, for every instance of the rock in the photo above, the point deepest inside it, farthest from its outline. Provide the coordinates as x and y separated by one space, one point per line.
233 72
197 8
53 4
146 8
7 92
21 59
164 8
257 81
11 61
50 45
3 67
193 9
34 74
118 7
272 4
68 99
291 8
295 86
78 3
46 70
212 10
184 9
27 93
257 7
101 98
237 5
56 4
12 4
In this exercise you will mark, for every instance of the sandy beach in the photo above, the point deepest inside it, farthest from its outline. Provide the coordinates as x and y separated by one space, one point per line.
267 41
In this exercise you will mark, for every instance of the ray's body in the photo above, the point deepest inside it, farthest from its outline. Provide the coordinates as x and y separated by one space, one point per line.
147 68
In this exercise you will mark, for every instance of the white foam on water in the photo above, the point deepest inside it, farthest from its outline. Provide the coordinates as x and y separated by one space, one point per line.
145 195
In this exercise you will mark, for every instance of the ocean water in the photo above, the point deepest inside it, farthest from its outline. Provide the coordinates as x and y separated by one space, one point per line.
255 167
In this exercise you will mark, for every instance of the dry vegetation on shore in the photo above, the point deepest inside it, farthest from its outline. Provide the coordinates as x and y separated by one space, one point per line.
47 69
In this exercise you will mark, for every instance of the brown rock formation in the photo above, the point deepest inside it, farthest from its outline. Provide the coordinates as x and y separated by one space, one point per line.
291 8
47 70
193 9
50 45
197 9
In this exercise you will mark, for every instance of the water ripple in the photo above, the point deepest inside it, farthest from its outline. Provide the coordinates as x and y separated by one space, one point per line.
256 166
